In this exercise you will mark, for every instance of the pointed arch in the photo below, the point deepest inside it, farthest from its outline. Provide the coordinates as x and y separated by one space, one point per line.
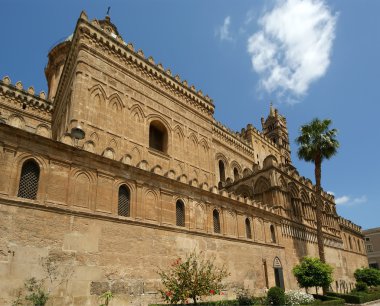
16 121
137 113
97 102
192 137
136 156
94 137
178 141
204 154
282 183
43 130
113 144
304 196
247 172
179 131
89 146
261 185
293 190
203 142
98 90
115 102
244 191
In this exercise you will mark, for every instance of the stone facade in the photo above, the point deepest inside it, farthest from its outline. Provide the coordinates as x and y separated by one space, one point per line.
372 243
151 177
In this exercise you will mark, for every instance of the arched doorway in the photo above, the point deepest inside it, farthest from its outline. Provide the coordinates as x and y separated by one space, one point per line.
278 274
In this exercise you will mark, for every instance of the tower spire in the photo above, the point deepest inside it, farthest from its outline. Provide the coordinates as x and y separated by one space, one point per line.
271 109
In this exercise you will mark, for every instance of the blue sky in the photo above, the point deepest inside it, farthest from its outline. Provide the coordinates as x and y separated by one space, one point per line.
312 59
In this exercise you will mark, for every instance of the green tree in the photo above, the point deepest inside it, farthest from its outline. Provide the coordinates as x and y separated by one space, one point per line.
316 143
193 277
312 272
370 276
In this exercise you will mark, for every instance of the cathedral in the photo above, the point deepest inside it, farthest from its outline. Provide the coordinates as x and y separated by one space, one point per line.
121 167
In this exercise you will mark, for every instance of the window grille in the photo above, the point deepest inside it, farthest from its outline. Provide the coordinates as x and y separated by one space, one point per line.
123 204
180 213
248 229
30 175
215 215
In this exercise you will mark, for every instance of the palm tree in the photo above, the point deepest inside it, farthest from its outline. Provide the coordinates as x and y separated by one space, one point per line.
316 143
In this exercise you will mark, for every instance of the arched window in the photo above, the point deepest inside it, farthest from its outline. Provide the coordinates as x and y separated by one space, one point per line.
272 234
30 175
236 174
180 213
215 217
222 174
349 242
158 136
248 231
124 202
359 248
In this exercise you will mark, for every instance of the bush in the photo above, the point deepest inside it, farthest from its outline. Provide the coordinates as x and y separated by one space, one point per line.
361 287
276 296
298 298
245 299
216 303
370 276
327 300
357 298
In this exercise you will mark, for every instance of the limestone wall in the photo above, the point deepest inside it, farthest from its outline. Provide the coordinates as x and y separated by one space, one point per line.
74 221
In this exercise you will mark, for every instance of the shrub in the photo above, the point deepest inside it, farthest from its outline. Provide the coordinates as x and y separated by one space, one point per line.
327 300
192 278
298 298
245 299
370 276
36 293
312 272
357 298
276 296
361 286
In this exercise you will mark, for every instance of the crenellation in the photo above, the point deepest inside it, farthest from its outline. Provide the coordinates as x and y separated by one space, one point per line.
123 148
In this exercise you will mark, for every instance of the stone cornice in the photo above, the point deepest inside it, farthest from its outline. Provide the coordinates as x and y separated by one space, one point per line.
223 133
349 225
27 97
309 234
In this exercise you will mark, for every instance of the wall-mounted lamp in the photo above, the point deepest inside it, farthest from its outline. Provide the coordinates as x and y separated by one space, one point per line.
78 133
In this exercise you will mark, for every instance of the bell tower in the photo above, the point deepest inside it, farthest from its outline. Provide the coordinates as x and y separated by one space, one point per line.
274 127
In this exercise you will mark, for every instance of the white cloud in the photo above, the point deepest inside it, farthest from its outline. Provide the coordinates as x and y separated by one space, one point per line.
348 201
293 46
342 200
360 200
224 31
